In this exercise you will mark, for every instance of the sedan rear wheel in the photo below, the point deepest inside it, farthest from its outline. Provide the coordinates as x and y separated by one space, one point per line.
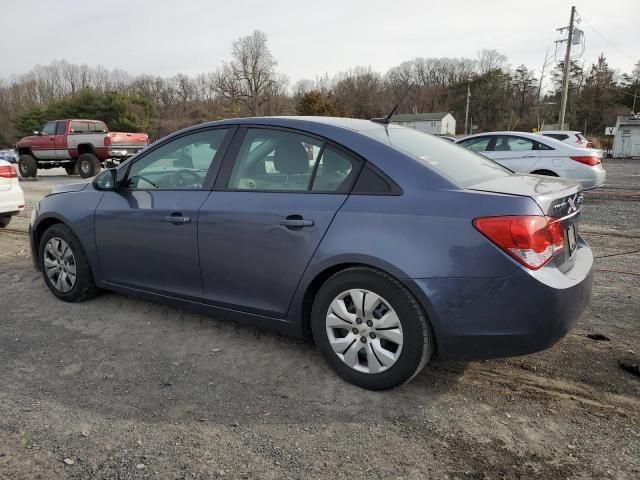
364 331
370 328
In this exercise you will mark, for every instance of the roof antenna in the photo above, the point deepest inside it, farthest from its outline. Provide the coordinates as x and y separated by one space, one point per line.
387 120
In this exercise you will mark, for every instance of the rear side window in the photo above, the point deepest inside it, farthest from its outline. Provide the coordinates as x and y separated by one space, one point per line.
373 182
333 171
557 136
99 127
79 127
458 164
282 161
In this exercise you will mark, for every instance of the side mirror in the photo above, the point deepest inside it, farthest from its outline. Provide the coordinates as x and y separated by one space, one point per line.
36 132
107 180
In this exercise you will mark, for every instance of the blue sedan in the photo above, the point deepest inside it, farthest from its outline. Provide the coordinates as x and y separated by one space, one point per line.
387 245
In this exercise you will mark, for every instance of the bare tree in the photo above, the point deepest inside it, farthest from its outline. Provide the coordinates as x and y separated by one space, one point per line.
489 60
250 77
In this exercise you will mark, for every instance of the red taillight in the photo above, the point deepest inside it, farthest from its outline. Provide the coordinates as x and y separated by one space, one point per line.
107 140
531 240
7 171
590 160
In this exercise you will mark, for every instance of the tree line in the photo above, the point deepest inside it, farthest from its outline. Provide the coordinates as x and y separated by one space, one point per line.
502 98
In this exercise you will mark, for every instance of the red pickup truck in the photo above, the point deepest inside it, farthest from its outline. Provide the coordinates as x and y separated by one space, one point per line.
80 146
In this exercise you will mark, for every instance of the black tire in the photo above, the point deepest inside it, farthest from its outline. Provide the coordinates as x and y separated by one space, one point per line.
88 165
84 286
72 169
27 165
418 343
4 221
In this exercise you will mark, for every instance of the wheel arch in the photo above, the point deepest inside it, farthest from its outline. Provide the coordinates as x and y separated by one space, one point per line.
24 151
320 276
85 148
38 231
544 171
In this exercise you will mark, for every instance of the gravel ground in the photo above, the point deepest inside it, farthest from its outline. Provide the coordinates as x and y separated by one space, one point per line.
122 388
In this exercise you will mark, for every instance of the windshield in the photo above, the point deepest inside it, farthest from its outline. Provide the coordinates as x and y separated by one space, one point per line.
457 163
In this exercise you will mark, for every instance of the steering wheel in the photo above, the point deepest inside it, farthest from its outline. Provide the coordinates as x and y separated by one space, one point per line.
178 180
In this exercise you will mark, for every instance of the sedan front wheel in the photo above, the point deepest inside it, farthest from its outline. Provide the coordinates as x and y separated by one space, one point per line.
370 329
65 267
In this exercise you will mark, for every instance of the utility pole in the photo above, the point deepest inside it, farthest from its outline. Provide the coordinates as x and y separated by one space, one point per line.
466 115
565 77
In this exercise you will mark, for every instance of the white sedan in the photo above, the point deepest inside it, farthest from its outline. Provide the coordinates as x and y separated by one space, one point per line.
11 194
531 153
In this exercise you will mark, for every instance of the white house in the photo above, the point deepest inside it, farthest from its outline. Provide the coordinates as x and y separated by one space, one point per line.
438 123
626 140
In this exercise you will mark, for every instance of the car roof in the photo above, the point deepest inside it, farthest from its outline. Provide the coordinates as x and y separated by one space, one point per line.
357 125
558 131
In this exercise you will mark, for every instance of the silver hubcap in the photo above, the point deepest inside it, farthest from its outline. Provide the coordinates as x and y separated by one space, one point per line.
364 331
60 264
84 166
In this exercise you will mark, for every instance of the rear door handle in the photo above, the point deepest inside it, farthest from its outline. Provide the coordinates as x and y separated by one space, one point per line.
177 218
296 221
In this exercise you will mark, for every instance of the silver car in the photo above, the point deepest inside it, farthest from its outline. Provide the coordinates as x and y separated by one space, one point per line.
531 153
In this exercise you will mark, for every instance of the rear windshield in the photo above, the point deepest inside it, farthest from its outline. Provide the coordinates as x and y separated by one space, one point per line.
457 163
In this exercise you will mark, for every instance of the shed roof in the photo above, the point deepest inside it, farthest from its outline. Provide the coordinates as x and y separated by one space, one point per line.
419 117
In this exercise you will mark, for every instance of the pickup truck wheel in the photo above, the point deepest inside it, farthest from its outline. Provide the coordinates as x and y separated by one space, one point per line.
72 169
88 165
27 165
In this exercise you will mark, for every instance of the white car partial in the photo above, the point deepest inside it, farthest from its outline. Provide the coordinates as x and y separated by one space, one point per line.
525 152
11 194
572 137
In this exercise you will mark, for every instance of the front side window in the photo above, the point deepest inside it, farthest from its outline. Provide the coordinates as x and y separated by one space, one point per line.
49 128
181 164
479 144
60 128
458 164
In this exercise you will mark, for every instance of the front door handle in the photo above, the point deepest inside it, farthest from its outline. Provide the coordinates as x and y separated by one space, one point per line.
296 222
177 218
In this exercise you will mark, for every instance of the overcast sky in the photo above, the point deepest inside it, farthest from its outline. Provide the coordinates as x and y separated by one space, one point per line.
308 39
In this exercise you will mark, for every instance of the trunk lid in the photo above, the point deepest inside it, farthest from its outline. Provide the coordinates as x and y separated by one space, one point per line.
556 197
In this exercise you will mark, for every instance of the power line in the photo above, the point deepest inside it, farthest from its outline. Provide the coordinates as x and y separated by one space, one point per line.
605 38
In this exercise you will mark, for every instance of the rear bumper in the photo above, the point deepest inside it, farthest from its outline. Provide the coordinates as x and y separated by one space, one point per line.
11 202
124 151
595 179
526 312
